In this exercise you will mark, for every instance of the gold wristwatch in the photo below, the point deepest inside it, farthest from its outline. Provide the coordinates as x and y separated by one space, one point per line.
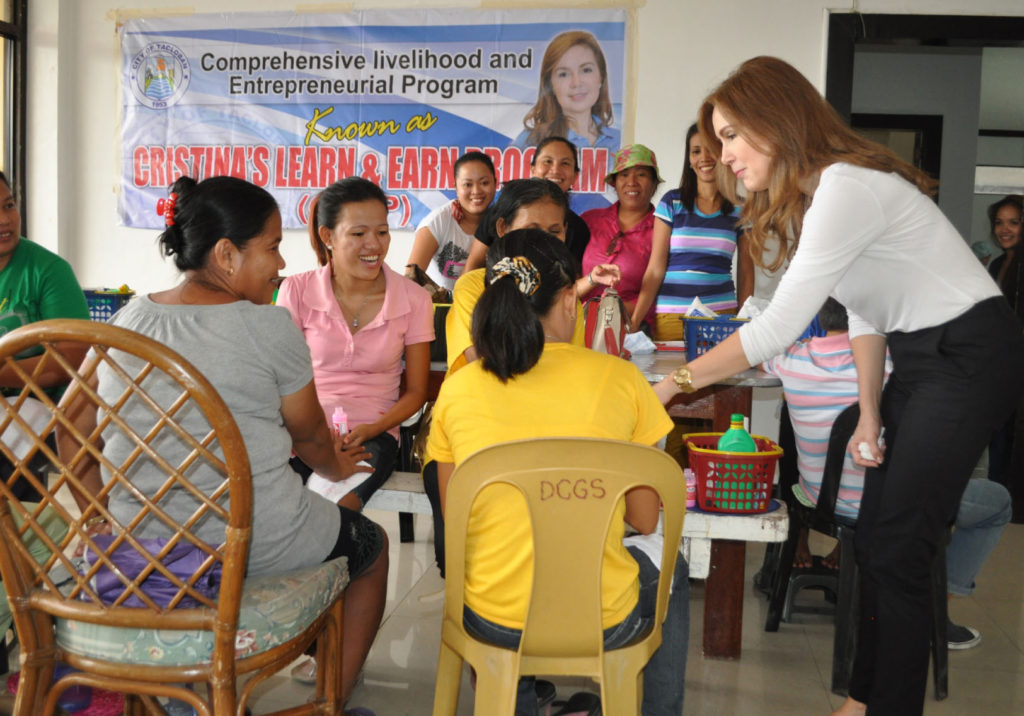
683 379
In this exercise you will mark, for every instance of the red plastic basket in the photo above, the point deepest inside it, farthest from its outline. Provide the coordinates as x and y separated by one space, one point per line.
703 334
734 482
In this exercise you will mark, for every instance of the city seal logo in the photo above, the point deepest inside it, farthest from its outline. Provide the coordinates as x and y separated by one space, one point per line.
159 75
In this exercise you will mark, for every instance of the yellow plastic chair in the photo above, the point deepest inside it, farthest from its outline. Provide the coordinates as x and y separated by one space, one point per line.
562 634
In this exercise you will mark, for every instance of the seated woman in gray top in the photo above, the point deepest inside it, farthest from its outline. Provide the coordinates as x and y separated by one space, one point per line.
224 235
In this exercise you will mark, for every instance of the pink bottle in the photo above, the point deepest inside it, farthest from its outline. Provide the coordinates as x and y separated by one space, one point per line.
339 421
691 487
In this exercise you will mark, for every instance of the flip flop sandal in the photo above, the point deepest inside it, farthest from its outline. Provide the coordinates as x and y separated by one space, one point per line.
545 695
582 703
305 671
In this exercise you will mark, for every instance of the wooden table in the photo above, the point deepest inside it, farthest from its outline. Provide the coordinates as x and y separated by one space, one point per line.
718 555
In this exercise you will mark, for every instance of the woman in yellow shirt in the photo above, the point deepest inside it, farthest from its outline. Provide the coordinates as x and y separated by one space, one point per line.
530 381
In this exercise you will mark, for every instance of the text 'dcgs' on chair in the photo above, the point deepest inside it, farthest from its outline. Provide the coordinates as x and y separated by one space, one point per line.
787 582
563 633
141 614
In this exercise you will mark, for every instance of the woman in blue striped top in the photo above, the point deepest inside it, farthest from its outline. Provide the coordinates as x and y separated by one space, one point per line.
695 237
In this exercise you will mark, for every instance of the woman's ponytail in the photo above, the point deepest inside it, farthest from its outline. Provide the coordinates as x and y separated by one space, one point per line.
527 271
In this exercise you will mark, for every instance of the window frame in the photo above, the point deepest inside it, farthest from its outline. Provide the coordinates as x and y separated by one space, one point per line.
14 119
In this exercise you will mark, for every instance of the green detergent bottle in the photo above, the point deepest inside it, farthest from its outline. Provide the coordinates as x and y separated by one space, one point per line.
736 439
732 493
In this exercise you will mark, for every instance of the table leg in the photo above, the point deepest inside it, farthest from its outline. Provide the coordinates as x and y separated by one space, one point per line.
723 590
723 600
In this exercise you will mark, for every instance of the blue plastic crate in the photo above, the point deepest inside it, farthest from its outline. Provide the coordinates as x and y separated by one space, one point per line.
105 302
703 334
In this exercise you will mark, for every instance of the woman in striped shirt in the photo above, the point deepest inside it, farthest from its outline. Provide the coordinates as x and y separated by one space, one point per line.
695 237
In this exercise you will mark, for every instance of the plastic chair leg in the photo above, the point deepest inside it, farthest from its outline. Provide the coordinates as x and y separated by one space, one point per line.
844 644
449 677
621 687
497 679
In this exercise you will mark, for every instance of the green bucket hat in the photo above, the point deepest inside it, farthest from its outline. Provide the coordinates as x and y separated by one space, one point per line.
633 155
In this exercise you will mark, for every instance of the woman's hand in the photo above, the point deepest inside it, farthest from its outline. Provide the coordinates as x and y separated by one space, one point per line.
601 275
605 275
99 527
358 435
349 457
866 437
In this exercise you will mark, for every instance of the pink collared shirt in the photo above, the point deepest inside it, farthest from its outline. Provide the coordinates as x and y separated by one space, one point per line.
360 372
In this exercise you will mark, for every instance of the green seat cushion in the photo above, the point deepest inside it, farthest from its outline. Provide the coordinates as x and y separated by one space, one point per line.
275 608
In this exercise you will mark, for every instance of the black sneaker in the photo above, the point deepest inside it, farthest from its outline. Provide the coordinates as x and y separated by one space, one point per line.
961 637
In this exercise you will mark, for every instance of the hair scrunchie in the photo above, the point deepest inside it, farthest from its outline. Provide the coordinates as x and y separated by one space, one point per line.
526 276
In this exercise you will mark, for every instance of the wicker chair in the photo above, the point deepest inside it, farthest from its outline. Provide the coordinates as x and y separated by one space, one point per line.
193 635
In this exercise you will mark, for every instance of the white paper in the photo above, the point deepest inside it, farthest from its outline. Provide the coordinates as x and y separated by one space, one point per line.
639 344
334 491
697 308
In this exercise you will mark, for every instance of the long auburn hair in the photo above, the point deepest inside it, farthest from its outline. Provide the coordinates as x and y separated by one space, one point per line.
546 118
780 113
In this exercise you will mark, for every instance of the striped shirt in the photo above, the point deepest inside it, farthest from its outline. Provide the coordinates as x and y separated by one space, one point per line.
819 380
701 247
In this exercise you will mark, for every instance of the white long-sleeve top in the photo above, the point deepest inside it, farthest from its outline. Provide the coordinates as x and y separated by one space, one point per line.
883 249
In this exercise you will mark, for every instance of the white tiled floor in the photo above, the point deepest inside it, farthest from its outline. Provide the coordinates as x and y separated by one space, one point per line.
782 673
786 672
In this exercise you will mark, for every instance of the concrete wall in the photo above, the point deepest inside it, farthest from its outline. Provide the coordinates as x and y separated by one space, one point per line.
927 81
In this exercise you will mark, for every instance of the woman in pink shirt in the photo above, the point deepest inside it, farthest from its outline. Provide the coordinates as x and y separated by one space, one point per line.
360 319
621 233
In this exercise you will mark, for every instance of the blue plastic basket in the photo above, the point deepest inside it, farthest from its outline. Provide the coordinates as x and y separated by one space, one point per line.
105 302
703 334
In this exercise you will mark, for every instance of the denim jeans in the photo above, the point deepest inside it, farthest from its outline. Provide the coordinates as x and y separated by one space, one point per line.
664 674
984 510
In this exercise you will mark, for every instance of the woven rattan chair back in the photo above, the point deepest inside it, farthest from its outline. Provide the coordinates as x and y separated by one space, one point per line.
150 380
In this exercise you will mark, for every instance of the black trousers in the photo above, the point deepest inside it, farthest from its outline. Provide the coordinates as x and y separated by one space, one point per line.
951 387
433 492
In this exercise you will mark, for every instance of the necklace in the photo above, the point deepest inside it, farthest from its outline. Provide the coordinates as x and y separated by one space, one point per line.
366 298
554 338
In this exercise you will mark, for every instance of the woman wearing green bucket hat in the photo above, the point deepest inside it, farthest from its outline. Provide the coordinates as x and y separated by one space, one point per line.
621 233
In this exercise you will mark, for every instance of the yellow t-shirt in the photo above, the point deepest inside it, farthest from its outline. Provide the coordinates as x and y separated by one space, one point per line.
458 324
571 392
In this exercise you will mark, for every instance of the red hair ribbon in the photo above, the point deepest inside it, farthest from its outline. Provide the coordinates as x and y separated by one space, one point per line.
165 208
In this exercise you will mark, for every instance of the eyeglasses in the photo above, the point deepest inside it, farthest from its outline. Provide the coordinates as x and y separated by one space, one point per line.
613 245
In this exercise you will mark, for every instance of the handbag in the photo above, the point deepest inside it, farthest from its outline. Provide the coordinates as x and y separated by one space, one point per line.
605 321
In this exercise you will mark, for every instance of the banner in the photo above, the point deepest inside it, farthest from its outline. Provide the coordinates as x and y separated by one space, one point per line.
294 102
